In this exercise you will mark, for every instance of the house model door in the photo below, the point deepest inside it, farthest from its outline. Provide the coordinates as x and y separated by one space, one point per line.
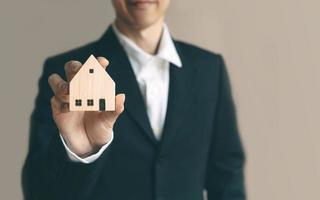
102 104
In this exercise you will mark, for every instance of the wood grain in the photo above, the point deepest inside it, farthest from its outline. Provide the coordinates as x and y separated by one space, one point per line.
92 82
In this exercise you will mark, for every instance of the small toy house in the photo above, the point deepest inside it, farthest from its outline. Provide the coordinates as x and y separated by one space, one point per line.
92 89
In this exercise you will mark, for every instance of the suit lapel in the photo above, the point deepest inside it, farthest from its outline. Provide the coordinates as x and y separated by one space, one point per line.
181 91
121 71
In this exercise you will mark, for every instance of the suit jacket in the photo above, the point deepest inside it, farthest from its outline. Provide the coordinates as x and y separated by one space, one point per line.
200 148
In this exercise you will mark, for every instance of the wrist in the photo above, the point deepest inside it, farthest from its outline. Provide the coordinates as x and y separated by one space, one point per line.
81 148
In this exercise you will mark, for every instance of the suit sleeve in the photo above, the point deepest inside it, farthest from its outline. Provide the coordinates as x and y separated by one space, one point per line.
48 173
225 176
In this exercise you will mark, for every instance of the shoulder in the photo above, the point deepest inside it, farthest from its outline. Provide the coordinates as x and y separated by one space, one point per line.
196 52
199 57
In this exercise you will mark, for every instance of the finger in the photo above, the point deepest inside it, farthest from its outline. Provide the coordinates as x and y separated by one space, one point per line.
55 106
103 62
58 107
65 107
71 68
120 99
110 117
59 87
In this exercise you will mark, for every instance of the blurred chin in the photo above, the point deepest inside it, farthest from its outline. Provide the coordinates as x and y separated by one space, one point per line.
141 22
140 14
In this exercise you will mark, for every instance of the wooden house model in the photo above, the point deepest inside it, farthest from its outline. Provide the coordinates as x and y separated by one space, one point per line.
92 89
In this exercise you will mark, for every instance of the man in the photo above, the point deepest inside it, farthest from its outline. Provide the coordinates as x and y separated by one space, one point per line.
176 137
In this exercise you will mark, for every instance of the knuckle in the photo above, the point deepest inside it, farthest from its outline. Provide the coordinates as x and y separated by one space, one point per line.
65 107
62 87
64 98
68 63
51 78
72 65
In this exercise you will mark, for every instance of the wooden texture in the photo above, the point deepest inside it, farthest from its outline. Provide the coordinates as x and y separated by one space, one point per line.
92 89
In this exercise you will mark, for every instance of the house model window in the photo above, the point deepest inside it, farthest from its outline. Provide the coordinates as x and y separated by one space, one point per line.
90 102
91 71
78 102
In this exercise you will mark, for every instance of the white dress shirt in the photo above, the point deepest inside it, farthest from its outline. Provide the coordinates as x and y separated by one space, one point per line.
152 75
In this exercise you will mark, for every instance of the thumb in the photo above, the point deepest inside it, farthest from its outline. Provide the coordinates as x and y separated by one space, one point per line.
110 116
120 99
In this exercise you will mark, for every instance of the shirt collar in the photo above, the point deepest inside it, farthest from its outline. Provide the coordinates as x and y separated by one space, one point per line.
166 50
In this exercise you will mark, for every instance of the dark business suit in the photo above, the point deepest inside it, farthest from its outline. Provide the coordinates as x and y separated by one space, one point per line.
200 148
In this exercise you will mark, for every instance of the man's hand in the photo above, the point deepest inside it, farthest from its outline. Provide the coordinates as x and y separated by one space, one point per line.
84 131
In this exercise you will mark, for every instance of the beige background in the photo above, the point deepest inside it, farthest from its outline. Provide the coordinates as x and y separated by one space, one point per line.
270 46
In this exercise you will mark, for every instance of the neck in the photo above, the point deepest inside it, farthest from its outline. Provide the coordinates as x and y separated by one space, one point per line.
147 38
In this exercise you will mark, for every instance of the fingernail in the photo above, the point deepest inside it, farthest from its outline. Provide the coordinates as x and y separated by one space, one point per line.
74 67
